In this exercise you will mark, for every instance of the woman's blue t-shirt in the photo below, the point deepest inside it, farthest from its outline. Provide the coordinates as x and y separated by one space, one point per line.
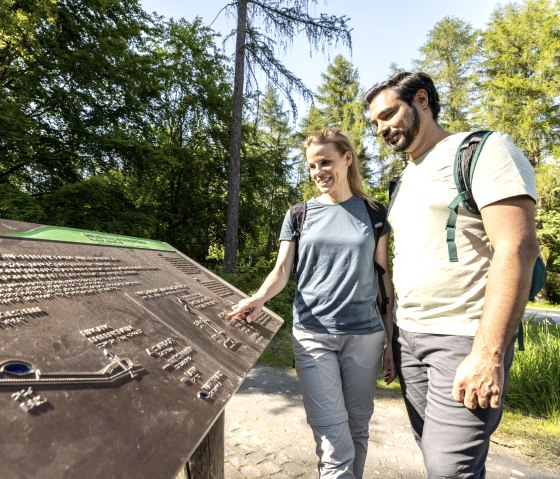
336 283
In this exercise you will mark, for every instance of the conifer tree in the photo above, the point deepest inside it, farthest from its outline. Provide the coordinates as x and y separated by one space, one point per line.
450 57
520 85
265 27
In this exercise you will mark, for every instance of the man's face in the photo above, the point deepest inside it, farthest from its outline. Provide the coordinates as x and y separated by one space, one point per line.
396 122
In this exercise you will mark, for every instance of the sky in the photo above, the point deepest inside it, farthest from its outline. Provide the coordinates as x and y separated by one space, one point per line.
383 31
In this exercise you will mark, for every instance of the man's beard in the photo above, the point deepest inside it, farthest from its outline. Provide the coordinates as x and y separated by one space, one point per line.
408 134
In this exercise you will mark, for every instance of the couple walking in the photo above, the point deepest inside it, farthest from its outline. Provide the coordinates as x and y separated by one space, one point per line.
450 337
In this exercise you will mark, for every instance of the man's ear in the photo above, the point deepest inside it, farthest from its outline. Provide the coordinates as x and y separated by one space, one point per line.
422 99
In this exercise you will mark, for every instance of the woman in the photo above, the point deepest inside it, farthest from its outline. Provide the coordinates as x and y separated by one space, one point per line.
338 332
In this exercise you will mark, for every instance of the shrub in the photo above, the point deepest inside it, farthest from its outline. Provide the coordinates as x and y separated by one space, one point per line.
535 374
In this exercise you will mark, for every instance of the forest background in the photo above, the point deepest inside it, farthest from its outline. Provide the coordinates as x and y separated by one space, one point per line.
113 119
117 120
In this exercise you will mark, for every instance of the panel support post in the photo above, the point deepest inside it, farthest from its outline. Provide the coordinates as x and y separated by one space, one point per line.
207 462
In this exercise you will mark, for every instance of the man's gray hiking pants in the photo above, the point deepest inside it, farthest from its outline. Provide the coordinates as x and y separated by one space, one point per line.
454 440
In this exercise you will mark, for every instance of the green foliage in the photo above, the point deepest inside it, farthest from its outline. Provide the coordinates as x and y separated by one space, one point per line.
388 166
20 206
98 203
179 176
449 56
73 76
548 225
340 105
267 186
535 374
520 83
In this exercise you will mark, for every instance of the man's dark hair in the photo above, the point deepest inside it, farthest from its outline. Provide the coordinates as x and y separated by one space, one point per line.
405 85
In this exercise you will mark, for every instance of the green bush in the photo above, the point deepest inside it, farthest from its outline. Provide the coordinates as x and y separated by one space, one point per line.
535 374
19 206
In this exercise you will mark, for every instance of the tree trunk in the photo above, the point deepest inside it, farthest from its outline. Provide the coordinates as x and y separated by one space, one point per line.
235 140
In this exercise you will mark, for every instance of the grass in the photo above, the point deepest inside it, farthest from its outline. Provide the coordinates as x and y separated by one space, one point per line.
535 374
278 353
531 422
537 440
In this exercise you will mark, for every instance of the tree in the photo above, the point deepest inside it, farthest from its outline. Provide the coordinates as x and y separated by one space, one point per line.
268 175
91 204
73 77
282 24
182 178
340 104
520 85
548 224
111 119
449 56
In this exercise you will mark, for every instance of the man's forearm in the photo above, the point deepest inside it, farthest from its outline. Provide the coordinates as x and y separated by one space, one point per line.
507 290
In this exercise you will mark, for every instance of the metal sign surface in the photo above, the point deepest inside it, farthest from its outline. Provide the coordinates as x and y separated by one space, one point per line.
116 355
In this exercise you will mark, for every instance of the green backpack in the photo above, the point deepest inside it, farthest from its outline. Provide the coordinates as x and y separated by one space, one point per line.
463 171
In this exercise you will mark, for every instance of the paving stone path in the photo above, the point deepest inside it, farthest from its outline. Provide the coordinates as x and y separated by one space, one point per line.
266 436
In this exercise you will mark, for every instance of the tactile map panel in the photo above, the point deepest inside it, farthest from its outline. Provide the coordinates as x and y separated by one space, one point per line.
116 355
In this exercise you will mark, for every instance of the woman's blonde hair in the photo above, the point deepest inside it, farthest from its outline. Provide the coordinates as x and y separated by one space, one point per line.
342 144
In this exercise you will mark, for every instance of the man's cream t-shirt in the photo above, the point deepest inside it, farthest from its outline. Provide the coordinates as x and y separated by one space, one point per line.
434 295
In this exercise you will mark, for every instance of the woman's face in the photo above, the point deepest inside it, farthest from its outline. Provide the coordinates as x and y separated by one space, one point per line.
328 168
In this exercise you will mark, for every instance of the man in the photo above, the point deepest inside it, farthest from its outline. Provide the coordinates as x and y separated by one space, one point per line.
455 322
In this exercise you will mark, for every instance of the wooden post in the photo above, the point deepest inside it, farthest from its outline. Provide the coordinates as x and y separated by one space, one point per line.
207 462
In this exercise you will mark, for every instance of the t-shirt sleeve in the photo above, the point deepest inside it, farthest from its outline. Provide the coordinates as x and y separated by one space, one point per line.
287 232
502 171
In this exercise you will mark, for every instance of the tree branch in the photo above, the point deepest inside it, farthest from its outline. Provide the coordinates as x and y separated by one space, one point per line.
11 170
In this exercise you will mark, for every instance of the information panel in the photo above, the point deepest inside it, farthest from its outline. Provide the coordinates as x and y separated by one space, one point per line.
116 355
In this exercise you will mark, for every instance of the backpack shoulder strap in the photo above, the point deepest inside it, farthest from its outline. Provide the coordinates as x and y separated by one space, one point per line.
465 163
378 218
298 212
463 170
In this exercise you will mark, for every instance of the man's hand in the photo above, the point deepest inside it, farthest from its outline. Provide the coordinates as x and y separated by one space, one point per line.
479 382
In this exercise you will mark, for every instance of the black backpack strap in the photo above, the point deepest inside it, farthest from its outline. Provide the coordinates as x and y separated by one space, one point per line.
297 213
378 218
466 158
463 171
